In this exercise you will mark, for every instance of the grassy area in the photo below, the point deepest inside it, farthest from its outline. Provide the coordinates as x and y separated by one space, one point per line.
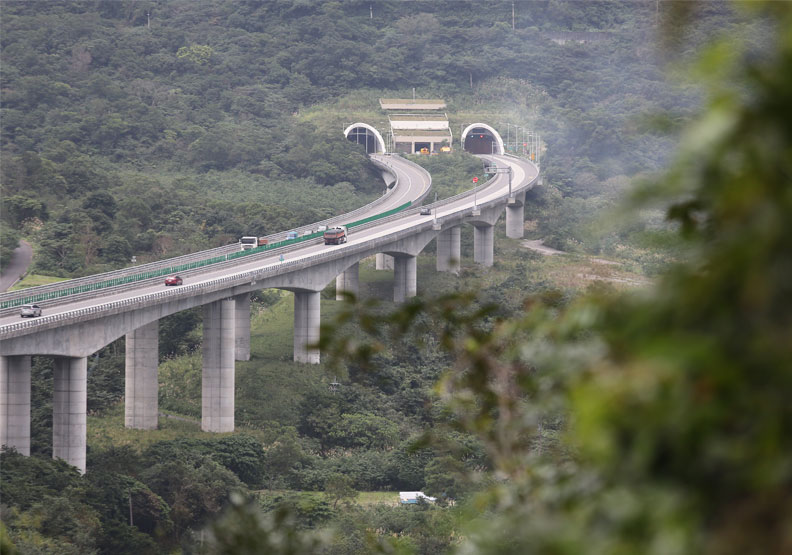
365 498
34 280
108 431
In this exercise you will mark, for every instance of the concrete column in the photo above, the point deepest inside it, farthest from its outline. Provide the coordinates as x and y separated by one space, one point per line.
348 281
483 244
69 410
383 262
449 250
242 327
515 217
15 403
142 361
306 326
217 403
405 278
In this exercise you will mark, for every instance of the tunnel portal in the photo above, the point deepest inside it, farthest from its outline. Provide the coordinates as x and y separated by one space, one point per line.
364 134
480 138
480 141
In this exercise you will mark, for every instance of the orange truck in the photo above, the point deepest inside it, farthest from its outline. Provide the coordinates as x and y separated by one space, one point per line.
335 235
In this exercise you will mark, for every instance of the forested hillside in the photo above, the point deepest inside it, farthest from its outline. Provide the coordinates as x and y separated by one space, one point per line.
543 419
158 128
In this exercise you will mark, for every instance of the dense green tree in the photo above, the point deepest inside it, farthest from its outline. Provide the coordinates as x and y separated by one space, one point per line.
338 487
101 201
27 480
194 489
281 455
176 333
244 528
365 430
18 208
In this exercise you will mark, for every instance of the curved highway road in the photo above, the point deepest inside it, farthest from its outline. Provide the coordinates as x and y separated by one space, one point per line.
414 183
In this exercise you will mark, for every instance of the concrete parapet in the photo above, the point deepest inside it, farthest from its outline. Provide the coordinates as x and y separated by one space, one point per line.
69 410
306 326
217 386
242 327
15 403
140 392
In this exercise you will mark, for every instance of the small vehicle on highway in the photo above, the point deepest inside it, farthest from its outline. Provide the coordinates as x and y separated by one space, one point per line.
29 311
173 280
426 211
291 235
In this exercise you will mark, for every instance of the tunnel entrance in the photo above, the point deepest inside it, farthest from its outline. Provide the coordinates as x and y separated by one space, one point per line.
364 134
480 138
481 141
365 137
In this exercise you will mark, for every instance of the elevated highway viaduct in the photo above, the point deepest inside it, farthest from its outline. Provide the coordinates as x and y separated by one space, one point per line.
80 325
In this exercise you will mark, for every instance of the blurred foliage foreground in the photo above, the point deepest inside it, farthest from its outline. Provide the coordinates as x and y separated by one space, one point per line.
674 406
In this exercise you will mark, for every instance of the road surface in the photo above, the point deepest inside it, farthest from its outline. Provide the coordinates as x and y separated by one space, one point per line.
20 261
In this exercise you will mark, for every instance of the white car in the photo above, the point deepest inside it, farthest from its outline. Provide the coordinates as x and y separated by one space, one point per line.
30 311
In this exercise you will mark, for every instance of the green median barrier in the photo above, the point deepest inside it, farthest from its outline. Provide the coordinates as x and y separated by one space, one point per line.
189 265
380 215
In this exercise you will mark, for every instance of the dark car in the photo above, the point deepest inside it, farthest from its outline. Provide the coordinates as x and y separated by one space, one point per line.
173 280
30 311
426 211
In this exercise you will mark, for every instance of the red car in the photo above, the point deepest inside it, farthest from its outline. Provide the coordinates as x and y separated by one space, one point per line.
173 280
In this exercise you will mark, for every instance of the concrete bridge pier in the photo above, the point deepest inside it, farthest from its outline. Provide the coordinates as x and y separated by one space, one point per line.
483 243
405 279
242 327
306 326
141 384
348 281
15 403
449 250
515 216
219 346
383 262
69 410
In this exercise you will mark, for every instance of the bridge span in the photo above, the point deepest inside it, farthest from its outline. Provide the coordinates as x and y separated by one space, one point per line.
79 325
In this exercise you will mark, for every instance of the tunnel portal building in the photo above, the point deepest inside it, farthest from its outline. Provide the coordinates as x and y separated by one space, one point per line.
417 124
